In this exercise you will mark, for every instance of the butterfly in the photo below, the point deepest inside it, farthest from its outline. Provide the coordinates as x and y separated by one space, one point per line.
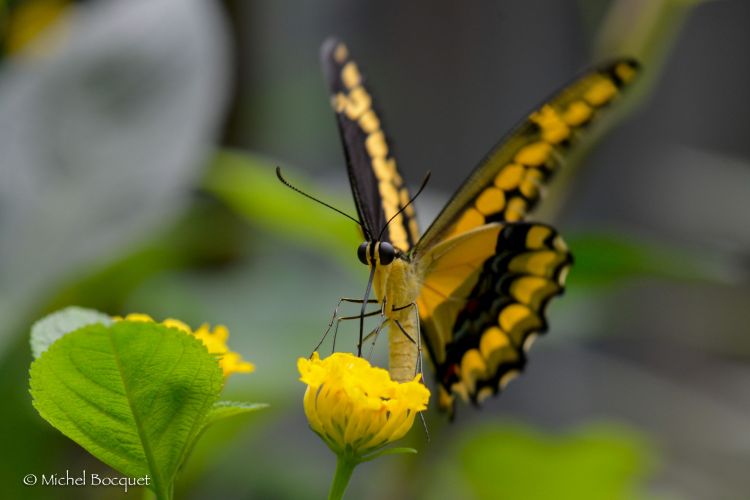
475 285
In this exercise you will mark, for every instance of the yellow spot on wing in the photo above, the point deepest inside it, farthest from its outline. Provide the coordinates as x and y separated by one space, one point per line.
560 244
388 193
490 201
554 129
369 122
517 320
563 275
397 233
532 290
350 75
358 102
484 393
340 53
470 219
505 379
516 210
577 114
492 340
534 154
404 194
509 177
625 72
385 168
376 145
600 92
338 102
536 236
529 341
531 185
473 367
445 399
496 348
540 263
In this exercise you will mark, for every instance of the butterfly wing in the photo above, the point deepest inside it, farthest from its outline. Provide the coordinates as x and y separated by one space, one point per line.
378 188
508 183
483 302
487 276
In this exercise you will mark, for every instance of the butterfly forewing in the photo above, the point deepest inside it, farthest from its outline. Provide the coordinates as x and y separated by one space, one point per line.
508 183
378 188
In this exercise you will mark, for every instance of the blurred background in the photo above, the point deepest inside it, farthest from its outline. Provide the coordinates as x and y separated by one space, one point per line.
137 145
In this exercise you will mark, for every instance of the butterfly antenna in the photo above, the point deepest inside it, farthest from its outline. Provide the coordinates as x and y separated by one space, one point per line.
287 184
424 183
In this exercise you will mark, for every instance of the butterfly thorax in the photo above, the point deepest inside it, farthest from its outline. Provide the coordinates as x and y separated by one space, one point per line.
395 282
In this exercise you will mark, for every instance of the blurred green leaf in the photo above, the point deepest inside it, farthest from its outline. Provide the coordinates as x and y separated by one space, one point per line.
50 328
135 395
207 235
225 409
604 259
518 462
248 184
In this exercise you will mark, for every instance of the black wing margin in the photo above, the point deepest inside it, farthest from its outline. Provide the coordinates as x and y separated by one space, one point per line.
378 189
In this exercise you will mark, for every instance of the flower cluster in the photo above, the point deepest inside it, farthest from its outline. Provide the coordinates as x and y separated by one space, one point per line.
215 341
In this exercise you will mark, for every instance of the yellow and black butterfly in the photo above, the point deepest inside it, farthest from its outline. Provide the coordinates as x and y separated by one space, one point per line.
477 282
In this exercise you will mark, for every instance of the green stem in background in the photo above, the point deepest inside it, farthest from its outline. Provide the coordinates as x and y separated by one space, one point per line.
644 29
345 464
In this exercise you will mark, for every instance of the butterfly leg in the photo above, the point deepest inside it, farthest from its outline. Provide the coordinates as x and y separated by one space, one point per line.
336 315
374 333
346 318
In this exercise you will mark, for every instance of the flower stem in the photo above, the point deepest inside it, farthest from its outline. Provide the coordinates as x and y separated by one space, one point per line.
344 468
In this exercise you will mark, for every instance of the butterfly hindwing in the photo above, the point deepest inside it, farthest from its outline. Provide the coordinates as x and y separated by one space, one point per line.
509 182
483 301
378 188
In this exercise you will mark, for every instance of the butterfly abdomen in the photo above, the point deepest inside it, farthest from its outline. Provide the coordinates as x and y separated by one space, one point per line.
398 285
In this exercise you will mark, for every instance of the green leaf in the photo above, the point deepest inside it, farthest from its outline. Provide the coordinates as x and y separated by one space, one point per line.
603 259
221 410
50 328
225 409
248 184
518 462
132 394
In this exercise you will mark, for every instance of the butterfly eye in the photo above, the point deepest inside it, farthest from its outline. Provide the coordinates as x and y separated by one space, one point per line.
362 251
386 253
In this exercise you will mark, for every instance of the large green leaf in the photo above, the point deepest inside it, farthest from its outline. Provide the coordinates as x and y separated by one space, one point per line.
135 395
248 184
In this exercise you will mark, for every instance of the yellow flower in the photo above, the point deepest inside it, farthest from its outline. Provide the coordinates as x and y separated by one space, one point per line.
215 341
356 408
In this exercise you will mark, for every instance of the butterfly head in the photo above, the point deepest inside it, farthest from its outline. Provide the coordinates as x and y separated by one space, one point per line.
376 253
